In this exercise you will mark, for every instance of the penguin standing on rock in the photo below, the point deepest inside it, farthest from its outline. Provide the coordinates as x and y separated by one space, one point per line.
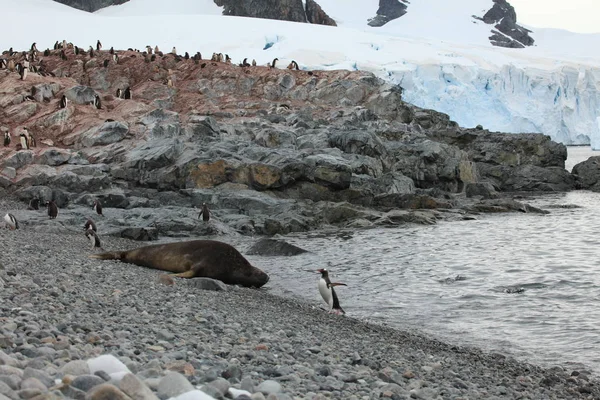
24 141
328 293
11 222
6 139
90 225
64 101
98 207
52 209
93 238
97 102
205 213
98 46
127 93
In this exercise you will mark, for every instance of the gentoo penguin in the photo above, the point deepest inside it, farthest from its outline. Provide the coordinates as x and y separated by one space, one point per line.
187 55
52 209
156 50
98 46
272 65
63 55
293 65
93 238
34 204
97 102
89 224
33 47
328 293
127 93
174 51
253 62
11 222
149 49
31 141
24 141
205 213
6 139
227 58
76 50
63 101
119 93
23 72
98 207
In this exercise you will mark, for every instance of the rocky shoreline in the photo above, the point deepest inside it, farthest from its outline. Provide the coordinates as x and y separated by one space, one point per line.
59 307
272 151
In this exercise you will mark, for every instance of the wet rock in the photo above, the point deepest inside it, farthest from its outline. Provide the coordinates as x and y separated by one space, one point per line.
274 247
139 234
207 284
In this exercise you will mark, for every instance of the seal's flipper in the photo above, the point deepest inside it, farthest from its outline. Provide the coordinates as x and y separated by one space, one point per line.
186 274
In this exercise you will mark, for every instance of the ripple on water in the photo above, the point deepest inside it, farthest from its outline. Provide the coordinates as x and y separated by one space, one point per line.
406 277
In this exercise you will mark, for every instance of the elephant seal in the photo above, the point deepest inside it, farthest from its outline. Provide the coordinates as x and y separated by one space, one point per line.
195 258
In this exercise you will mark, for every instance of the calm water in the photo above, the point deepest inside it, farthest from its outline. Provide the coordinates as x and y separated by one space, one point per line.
529 287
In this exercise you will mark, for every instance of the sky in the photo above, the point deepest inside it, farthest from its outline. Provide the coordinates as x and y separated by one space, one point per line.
574 15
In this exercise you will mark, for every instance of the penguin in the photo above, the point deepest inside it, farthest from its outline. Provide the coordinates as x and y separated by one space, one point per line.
112 50
34 204
127 93
272 65
293 65
169 82
24 141
31 142
98 45
11 222
98 207
6 139
105 63
227 59
56 45
245 63
214 57
34 47
187 55
63 55
23 72
64 101
90 225
156 51
197 56
328 293
119 93
97 102
253 62
115 58
3 63
93 238
174 51
149 49
52 209
205 213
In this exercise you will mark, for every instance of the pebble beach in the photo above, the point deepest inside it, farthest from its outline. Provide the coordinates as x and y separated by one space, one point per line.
73 327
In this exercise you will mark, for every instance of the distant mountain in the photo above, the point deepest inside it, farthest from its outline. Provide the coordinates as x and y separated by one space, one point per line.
499 13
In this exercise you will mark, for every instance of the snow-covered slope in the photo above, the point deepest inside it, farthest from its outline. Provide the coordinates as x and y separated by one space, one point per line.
437 52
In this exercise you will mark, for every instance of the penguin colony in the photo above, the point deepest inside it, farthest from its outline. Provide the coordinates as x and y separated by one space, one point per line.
31 62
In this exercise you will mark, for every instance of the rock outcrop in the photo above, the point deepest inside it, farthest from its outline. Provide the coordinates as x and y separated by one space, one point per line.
269 150
507 33
286 10
91 5
388 10
316 15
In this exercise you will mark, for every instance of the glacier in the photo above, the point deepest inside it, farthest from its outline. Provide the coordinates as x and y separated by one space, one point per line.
450 66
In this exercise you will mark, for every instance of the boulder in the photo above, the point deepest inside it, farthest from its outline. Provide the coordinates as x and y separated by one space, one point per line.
44 92
587 174
274 247
107 133
81 94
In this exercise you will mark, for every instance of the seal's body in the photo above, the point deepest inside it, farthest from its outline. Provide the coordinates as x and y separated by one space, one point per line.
196 258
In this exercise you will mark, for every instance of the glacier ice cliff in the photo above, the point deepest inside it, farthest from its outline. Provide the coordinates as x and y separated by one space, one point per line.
563 103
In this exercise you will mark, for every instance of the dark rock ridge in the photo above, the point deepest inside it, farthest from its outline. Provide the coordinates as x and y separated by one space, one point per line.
286 10
91 5
271 151
388 10
507 33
